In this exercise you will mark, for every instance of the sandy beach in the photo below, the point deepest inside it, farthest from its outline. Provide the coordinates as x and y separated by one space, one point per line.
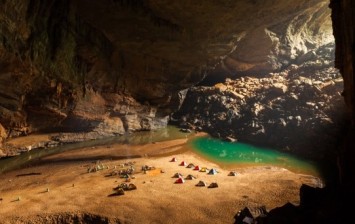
61 183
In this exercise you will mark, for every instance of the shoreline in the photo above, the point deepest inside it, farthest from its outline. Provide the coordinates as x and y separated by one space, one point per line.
179 145
39 141
71 189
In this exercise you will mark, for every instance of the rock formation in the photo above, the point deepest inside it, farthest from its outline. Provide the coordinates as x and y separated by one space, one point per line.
299 109
102 68
333 206
3 136
107 67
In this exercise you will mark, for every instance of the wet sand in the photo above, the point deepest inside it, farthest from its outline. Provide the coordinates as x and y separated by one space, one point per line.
157 199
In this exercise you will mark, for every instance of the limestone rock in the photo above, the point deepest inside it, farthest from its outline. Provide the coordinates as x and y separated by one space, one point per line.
221 87
109 126
132 122
273 110
279 87
2 154
66 66
3 134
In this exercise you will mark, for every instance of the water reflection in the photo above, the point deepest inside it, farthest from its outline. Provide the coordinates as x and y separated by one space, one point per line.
139 138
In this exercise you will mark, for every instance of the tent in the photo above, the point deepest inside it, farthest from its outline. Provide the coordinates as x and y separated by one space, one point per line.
203 169
201 184
190 165
197 168
179 181
126 176
232 173
183 163
173 159
119 191
123 186
131 187
212 171
190 177
213 185
177 175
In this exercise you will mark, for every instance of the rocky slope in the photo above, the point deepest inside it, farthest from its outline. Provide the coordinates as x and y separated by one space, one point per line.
108 67
299 109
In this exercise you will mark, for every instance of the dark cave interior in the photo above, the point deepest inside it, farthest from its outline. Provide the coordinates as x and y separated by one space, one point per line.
114 67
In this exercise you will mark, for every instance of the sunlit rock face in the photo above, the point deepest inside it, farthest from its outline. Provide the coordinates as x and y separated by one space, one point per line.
299 109
115 66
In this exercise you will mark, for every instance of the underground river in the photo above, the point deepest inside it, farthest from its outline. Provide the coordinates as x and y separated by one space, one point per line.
227 155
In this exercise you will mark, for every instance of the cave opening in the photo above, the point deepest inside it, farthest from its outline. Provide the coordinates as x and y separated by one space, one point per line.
278 88
257 72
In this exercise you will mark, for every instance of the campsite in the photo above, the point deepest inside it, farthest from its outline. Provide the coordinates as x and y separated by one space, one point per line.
204 193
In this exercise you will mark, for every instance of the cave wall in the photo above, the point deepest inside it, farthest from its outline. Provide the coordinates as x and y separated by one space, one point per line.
58 70
113 66
343 18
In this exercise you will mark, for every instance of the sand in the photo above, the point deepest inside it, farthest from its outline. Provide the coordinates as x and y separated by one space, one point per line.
65 186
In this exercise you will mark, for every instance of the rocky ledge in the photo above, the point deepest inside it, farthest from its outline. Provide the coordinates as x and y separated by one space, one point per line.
94 116
297 109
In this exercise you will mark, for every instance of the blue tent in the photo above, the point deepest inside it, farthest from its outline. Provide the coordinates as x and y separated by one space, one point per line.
212 171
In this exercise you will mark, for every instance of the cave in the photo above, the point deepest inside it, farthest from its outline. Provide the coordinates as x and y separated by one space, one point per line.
270 73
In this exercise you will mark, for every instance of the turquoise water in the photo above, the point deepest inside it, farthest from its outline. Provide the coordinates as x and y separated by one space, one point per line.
224 153
241 154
